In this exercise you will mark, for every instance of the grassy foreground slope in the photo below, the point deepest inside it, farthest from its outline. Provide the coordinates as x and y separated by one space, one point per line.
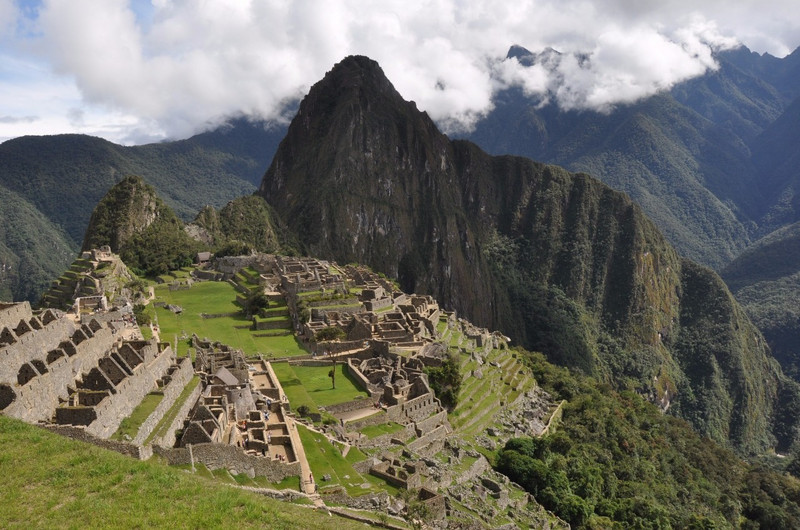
71 484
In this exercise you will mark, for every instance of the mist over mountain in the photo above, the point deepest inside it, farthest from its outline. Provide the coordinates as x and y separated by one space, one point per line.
558 261
686 156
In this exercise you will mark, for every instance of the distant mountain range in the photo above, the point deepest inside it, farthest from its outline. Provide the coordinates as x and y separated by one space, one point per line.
709 161
54 183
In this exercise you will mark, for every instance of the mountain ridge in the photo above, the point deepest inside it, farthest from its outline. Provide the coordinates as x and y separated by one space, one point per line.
554 259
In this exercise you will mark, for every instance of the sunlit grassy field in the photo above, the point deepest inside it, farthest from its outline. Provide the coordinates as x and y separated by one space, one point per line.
311 386
326 458
215 298
68 484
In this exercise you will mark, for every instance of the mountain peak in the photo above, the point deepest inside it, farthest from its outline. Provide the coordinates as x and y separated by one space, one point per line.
354 75
547 57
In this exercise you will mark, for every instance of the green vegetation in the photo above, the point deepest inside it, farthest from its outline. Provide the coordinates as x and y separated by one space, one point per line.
311 386
144 231
161 428
481 399
329 333
617 460
293 387
446 381
33 251
766 281
371 431
84 486
325 458
217 298
129 426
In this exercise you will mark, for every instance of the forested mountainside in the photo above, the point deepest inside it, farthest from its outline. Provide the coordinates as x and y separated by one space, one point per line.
558 261
33 250
244 225
766 281
135 223
691 157
64 177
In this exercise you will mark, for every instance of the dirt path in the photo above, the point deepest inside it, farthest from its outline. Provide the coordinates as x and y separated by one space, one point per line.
357 414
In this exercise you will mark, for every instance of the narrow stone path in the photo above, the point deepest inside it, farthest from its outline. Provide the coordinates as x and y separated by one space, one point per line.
307 483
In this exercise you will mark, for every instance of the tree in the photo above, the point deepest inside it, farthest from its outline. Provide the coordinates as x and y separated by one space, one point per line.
332 374
446 381
329 333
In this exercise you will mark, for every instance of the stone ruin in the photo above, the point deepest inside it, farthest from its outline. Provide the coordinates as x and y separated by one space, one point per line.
243 408
53 370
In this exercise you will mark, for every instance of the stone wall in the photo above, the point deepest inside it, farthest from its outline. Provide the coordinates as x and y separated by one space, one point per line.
80 434
375 305
385 440
230 265
169 438
430 423
234 459
356 404
430 443
265 325
11 314
130 392
421 407
375 419
32 345
37 399
173 389
361 379
339 346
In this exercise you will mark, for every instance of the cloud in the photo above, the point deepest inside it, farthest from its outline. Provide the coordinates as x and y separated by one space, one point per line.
624 65
18 119
173 67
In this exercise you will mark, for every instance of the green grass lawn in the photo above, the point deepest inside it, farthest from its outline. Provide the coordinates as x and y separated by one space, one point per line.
216 298
326 459
317 385
371 431
293 387
130 425
68 484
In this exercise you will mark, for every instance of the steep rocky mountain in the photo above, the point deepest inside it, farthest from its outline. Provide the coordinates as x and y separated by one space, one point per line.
558 261
136 224
683 155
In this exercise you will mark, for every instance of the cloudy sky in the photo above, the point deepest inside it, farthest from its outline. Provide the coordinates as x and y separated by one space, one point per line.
135 71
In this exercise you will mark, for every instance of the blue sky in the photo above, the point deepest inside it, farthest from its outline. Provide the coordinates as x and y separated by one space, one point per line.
141 71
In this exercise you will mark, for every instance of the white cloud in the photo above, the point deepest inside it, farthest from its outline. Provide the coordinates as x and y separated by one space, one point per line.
171 67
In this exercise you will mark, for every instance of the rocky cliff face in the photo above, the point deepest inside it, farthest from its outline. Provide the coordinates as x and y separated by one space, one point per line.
130 206
558 261
362 175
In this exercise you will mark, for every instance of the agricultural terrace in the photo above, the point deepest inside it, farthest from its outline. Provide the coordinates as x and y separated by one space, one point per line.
332 459
229 326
